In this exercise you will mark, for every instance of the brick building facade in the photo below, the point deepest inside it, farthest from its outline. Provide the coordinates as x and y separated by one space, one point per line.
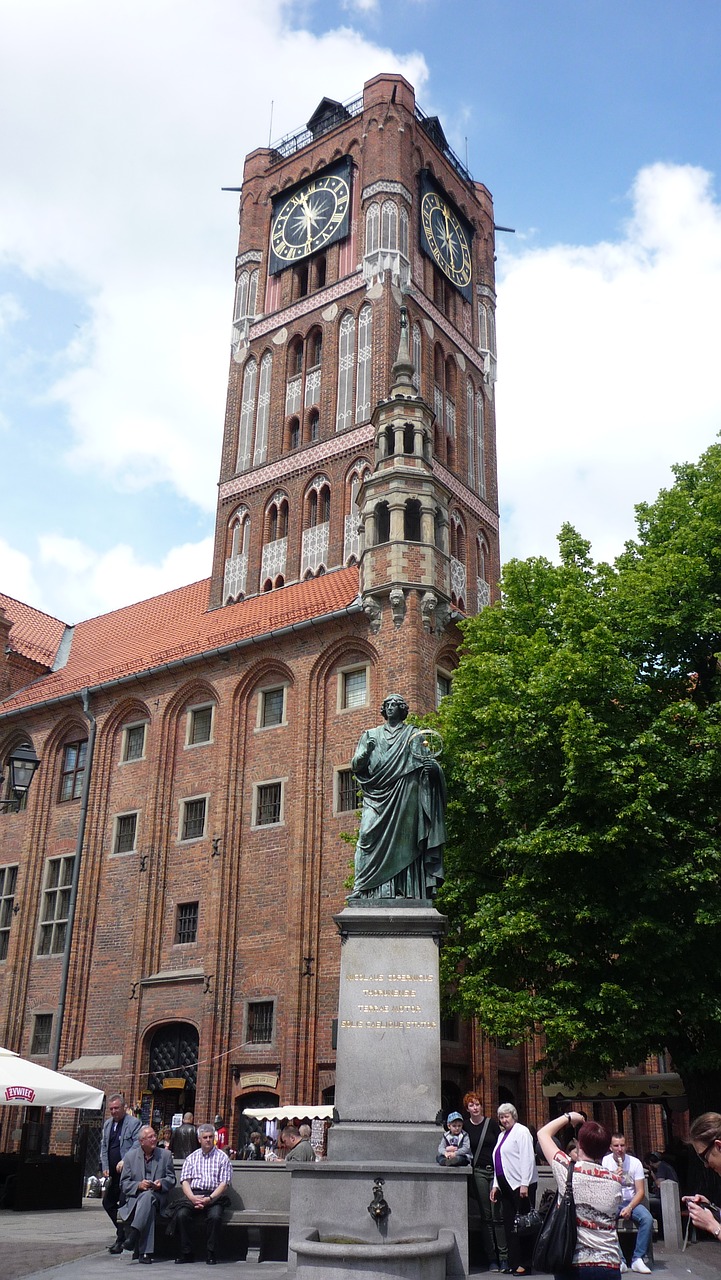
185 825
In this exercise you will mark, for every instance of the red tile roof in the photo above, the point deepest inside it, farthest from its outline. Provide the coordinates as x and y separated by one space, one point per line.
177 625
33 634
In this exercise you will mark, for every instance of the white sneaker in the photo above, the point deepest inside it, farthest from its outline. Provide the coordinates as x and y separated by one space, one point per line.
638 1264
623 1267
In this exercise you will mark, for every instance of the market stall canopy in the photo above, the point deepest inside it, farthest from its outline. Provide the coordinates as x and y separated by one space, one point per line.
26 1084
631 1087
299 1112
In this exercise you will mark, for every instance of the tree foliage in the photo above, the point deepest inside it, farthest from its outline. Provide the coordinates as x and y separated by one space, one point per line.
584 767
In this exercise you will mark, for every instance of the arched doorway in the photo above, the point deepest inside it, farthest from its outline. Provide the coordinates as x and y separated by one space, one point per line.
243 1126
172 1073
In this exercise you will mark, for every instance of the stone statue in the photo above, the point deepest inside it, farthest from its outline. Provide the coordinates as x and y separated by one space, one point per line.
399 853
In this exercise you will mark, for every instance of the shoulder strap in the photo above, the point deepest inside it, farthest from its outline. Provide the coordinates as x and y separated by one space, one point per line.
482 1138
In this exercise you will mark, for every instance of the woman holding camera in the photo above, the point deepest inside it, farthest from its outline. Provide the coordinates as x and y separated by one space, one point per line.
705 1135
597 1194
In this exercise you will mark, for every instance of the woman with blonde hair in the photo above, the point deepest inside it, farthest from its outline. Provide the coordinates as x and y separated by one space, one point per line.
515 1178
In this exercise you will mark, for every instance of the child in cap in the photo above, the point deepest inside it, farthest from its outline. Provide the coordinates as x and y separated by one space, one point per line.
455 1145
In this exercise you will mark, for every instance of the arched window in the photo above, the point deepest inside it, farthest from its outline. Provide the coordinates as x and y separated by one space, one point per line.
303 380
236 564
483 584
319 272
458 561
389 225
313 425
412 520
470 434
351 540
373 222
275 542
486 328
481 438
313 358
261 426
346 361
247 414
404 231
365 353
417 356
293 433
408 441
383 522
316 532
246 293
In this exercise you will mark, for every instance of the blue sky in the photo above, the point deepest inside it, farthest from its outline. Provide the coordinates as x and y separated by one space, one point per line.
595 126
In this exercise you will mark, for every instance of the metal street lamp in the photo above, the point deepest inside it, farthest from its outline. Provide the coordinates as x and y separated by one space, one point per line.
22 763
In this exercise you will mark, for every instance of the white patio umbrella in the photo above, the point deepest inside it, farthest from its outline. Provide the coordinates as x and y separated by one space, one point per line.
25 1084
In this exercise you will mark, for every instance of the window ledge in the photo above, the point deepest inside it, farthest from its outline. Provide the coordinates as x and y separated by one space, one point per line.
173 975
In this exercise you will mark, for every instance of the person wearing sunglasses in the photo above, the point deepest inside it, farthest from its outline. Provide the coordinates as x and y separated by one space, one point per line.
705 1136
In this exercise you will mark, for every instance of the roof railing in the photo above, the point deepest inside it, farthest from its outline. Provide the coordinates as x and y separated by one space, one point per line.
300 138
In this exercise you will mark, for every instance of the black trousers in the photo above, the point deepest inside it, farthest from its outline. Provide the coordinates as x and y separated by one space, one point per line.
186 1214
520 1248
111 1200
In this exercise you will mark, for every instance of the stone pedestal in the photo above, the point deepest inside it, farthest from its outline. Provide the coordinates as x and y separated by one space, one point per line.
388 1060
388 1126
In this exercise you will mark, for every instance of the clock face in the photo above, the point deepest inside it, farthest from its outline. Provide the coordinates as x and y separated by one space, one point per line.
446 239
310 218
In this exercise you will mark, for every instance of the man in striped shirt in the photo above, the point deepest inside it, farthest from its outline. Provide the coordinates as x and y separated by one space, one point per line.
206 1175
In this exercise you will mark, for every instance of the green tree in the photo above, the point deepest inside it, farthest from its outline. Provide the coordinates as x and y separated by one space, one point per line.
584 768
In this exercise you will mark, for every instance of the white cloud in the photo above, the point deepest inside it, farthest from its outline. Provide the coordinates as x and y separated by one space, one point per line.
138 115
88 582
607 366
361 6
16 575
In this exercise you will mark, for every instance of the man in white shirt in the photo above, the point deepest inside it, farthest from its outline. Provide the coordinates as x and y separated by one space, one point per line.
634 1190
205 1177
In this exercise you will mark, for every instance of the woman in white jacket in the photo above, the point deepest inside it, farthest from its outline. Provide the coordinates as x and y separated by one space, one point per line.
515 1178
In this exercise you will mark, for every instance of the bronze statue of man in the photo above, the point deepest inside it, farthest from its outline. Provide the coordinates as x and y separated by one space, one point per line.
399 854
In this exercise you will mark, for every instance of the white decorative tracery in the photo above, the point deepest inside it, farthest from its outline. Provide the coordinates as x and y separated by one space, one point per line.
315 548
312 388
365 362
484 594
261 426
346 361
292 396
274 558
481 437
247 414
236 573
458 580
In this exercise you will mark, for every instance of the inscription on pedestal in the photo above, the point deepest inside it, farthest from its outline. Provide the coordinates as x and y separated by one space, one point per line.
378 987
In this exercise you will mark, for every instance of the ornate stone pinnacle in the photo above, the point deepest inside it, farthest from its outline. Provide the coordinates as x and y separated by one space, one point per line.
402 371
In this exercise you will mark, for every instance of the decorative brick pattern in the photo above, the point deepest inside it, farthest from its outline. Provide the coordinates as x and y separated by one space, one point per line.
298 464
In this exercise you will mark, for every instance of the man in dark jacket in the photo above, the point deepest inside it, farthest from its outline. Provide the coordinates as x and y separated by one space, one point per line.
120 1133
184 1139
147 1177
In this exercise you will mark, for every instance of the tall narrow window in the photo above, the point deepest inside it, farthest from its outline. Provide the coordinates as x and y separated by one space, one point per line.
346 361
354 687
126 826
261 426
389 225
186 923
73 770
260 1022
481 437
404 232
193 816
470 434
247 414
412 520
42 1030
55 906
383 522
365 353
373 222
269 804
8 883
347 796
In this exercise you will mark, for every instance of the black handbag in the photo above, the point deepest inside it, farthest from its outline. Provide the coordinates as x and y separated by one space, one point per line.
556 1243
528 1224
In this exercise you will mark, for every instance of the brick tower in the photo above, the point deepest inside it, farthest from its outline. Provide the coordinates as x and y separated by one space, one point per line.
360 416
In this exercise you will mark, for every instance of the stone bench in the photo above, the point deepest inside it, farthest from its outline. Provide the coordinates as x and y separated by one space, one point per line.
259 1198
